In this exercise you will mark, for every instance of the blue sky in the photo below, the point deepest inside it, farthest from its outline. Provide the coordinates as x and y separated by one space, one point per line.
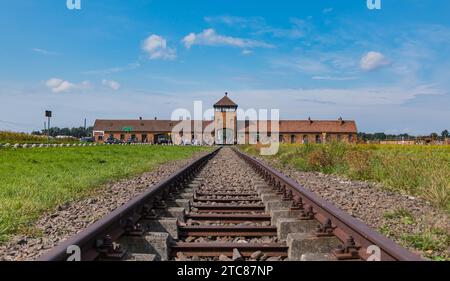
388 69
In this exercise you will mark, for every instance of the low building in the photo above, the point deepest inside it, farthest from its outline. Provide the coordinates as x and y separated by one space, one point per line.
226 129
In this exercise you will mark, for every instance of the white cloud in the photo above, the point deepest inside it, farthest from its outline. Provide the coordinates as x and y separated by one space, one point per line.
106 71
57 85
156 47
111 84
211 38
307 65
44 52
246 52
288 99
259 26
327 10
335 78
373 60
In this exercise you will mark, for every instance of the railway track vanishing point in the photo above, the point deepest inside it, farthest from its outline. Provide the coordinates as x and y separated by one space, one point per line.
224 206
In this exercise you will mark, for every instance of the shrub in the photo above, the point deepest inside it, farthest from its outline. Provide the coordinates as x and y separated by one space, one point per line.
320 160
358 163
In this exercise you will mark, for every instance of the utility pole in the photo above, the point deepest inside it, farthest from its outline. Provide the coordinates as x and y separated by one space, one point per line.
85 133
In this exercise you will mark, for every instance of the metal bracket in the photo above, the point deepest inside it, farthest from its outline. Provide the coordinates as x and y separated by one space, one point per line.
109 250
348 251
325 230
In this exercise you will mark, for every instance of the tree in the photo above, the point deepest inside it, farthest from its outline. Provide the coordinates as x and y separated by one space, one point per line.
445 134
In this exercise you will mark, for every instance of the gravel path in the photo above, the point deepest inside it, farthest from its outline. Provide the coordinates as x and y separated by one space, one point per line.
378 208
69 219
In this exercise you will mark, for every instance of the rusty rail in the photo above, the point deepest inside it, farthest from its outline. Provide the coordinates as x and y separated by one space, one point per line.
115 224
344 226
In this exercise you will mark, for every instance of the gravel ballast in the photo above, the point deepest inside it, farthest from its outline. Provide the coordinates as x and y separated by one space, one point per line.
393 214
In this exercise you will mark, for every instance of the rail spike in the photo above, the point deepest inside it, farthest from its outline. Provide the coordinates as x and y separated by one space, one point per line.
325 230
109 250
132 229
347 251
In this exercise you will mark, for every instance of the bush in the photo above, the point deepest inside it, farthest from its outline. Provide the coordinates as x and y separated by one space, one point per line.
320 160
358 163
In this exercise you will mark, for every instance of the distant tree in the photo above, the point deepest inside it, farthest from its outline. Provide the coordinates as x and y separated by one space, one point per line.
434 136
73 132
445 134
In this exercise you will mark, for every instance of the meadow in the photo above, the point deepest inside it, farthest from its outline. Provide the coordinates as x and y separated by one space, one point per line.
33 181
422 171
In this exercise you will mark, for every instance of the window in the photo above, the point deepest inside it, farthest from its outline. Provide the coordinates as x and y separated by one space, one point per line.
133 137
100 138
339 138
122 137
292 138
305 139
318 139
350 138
144 137
281 138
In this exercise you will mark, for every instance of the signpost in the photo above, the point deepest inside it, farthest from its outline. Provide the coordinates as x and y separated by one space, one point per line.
48 114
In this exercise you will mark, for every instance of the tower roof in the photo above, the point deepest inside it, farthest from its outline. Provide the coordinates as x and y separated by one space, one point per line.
225 102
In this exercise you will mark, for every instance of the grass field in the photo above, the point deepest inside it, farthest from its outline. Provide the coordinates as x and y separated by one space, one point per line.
35 180
422 171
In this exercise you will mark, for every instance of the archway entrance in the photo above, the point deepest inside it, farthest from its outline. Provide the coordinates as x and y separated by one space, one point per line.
225 136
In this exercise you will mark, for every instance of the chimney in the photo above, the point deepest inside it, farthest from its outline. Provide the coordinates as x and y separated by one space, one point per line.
341 121
140 118
156 118
310 121
226 93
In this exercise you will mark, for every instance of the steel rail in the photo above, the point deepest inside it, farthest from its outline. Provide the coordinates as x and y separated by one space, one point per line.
344 225
113 225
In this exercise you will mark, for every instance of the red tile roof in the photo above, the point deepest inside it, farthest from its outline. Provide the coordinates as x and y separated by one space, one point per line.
225 102
159 126
307 126
285 126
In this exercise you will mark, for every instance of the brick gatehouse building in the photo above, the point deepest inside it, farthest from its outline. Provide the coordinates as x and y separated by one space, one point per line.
225 129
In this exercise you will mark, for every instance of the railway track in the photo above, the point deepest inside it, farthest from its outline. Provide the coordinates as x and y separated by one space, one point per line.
228 206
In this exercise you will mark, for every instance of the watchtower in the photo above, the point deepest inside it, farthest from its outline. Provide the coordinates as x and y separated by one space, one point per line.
225 121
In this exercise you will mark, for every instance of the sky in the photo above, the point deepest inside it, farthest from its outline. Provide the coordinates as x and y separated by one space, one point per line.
386 68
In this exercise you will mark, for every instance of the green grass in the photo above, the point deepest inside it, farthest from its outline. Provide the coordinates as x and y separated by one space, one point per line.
429 241
33 181
422 171
404 215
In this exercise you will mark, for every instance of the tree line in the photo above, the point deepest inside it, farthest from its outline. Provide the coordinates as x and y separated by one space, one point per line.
79 132
382 136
